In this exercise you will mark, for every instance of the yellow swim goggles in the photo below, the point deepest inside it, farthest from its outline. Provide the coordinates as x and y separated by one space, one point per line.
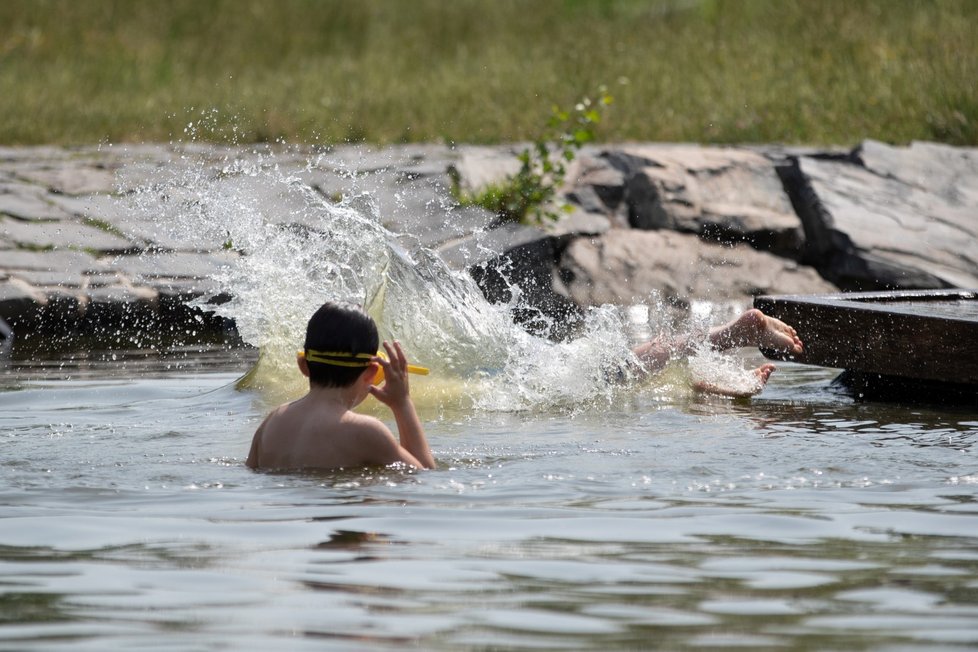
342 359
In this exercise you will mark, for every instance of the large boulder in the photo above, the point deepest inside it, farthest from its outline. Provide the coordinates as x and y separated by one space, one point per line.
892 218
721 194
515 264
948 172
624 267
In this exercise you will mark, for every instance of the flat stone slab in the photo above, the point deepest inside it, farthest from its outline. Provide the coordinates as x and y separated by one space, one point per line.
75 180
69 262
873 232
119 214
62 234
30 206
720 193
907 346
630 266
182 288
17 292
95 206
20 155
948 172
486 245
179 265
366 158
45 278
119 294
479 167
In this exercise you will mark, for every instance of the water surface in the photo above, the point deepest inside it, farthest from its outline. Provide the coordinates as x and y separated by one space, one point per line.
798 520
567 512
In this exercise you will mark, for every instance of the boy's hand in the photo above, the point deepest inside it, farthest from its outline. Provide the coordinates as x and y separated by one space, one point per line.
394 394
395 391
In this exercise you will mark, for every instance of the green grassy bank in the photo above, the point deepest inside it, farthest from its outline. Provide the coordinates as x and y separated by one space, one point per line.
724 71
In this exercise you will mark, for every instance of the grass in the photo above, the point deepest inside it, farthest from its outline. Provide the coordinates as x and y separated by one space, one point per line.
486 71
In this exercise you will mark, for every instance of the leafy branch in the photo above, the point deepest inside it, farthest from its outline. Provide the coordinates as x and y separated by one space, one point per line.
526 197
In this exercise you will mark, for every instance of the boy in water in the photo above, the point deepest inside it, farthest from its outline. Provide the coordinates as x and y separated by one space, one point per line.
320 430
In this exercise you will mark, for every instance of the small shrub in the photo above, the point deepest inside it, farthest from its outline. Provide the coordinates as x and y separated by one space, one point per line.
526 197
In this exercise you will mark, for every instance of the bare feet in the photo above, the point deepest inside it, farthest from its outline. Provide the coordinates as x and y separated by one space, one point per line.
762 373
754 328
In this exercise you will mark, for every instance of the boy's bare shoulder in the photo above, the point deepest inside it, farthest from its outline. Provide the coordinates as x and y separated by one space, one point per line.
364 425
310 439
372 439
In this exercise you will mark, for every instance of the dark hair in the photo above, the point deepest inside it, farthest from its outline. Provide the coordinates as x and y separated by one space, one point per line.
339 328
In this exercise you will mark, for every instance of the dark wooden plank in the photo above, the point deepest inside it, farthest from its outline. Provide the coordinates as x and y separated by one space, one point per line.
930 334
878 387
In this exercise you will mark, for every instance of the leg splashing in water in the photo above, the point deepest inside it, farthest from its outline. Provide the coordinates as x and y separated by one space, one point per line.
750 329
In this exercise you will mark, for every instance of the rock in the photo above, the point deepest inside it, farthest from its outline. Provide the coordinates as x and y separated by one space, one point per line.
71 263
722 194
578 221
363 159
180 265
602 178
184 289
871 232
523 277
624 267
29 206
124 216
586 198
434 227
60 312
591 200
487 245
28 155
880 216
514 264
48 278
948 172
414 201
62 234
6 339
120 299
478 167
72 180
18 302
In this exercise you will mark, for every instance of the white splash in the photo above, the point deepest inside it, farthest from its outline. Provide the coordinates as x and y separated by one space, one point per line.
291 247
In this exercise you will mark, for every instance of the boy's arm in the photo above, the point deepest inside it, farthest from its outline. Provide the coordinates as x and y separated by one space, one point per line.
395 394
383 448
412 433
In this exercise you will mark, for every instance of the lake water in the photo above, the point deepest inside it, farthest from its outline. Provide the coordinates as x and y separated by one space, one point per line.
566 513
798 520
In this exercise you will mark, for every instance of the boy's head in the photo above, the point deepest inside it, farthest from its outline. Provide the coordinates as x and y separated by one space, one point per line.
349 335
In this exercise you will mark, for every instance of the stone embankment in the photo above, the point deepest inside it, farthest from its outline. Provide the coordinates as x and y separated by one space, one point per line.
680 222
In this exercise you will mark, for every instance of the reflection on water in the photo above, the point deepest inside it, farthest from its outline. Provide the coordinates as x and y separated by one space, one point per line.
800 520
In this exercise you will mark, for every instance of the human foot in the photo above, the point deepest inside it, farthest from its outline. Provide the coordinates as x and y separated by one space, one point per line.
762 374
754 328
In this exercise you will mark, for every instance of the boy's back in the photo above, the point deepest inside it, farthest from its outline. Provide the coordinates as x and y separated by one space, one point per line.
318 434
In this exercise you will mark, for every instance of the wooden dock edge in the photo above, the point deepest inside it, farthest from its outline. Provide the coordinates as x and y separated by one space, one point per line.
895 336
